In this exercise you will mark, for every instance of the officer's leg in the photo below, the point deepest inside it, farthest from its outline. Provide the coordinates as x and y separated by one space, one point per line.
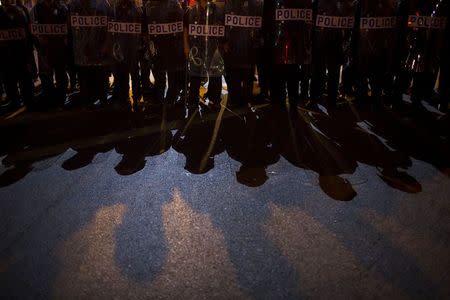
72 70
2 88
318 77
46 76
135 80
293 83
264 71
234 86
33 65
175 80
194 91
402 82
305 75
11 85
420 88
26 84
416 89
387 81
83 80
116 83
215 89
144 65
102 90
375 84
278 85
61 82
444 89
120 91
247 85
333 84
159 73
348 79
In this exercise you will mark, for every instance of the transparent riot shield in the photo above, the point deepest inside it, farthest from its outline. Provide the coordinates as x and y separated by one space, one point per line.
206 31
334 22
89 28
291 25
378 33
165 31
49 30
243 23
13 34
125 32
425 34
436 35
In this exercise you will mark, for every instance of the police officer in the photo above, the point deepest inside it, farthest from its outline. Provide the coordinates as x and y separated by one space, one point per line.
49 29
243 22
91 46
203 46
377 52
15 47
31 58
125 29
334 22
424 40
289 39
165 29
444 80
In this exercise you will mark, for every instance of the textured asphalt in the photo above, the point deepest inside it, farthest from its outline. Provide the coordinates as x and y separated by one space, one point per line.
272 204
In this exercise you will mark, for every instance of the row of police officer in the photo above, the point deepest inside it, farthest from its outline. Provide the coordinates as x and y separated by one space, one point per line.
298 46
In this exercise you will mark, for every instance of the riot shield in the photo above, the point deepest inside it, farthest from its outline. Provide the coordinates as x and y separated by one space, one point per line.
425 35
290 28
334 22
206 31
89 27
49 30
243 23
378 33
13 34
165 29
125 32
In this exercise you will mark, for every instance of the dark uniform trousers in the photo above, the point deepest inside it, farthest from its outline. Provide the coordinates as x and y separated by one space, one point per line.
214 89
323 62
174 84
57 70
122 72
240 85
285 77
93 82
18 74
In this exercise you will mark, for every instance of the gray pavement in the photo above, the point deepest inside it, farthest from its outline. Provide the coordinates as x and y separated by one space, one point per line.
266 205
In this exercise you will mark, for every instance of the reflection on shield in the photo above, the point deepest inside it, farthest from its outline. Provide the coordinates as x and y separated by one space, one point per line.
206 33
426 26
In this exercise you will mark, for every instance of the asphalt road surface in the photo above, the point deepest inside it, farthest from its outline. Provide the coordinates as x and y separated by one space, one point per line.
262 204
